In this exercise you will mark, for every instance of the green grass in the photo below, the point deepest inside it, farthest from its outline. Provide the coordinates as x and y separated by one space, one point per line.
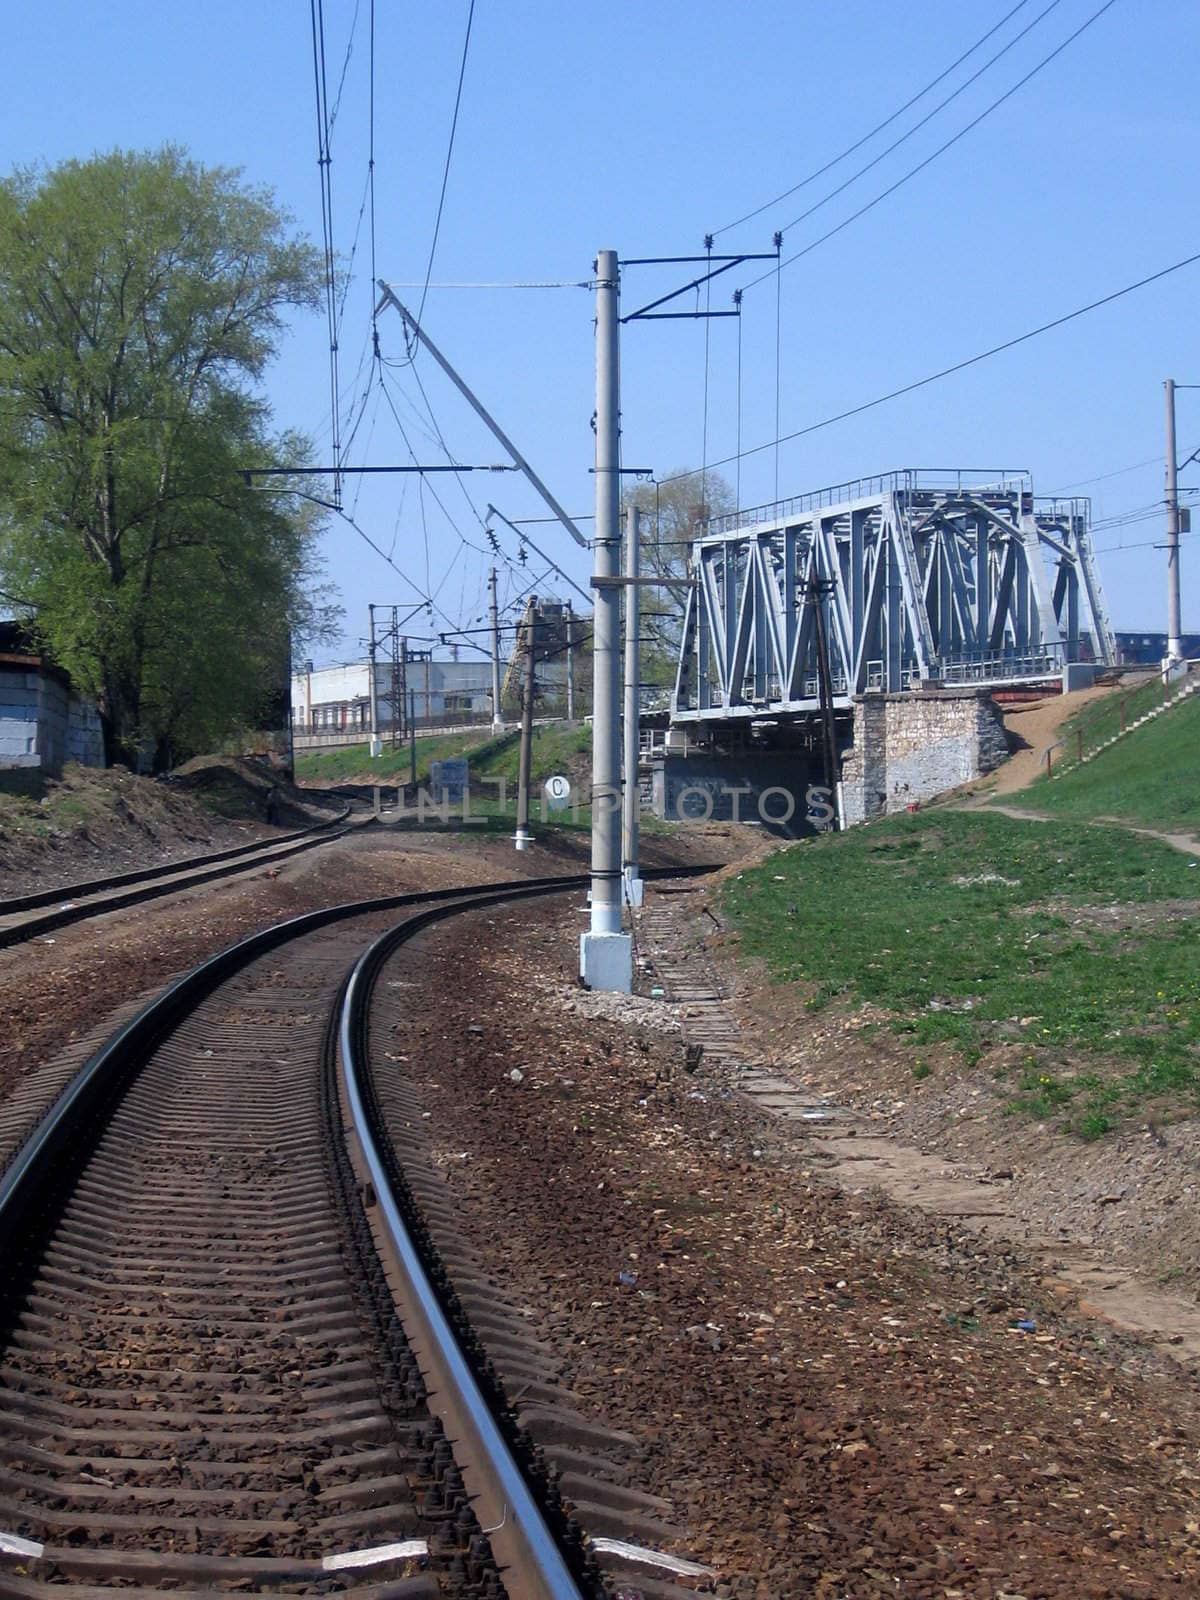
972 930
1151 776
1102 719
557 747
392 766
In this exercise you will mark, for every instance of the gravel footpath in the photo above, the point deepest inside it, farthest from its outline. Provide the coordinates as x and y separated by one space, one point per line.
835 1388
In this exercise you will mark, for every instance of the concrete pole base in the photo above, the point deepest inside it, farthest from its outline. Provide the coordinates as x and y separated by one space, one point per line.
634 888
1173 667
522 840
606 961
376 748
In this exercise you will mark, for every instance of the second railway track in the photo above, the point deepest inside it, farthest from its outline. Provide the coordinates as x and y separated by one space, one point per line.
30 916
224 1307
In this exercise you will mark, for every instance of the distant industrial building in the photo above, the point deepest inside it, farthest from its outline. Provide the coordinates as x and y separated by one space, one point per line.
1150 649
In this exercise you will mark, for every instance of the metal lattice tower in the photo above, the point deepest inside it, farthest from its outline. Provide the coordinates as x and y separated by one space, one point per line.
933 578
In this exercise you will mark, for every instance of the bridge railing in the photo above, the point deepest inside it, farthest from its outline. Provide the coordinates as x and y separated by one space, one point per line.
1046 661
878 486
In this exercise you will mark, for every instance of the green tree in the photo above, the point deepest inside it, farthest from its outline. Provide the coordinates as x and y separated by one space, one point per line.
141 298
673 515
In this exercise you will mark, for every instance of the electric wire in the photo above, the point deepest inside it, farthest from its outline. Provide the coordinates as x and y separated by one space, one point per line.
458 478
337 103
582 283
878 128
349 275
942 148
437 225
1145 544
324 163
1102 477
958 366
371 179
928 117
437 497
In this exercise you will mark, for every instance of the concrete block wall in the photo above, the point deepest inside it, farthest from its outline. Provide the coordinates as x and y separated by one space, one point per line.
85 737
43 724
54 701
910 747
19 699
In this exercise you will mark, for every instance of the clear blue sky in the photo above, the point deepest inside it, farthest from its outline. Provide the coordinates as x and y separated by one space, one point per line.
640 127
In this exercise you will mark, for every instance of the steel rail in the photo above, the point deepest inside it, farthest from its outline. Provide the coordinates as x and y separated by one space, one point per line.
14 904
523 1538
69 911
125 1051
120 1055
502 1498
504 1501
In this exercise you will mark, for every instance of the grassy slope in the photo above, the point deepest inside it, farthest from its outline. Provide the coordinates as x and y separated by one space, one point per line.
1151 776
333 766
1100 719
556 748
974 929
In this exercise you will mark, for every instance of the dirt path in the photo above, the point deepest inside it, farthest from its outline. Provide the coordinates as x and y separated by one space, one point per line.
1112 1227
1187 842
1036 726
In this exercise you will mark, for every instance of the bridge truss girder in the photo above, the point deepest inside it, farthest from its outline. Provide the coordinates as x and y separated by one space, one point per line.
932 583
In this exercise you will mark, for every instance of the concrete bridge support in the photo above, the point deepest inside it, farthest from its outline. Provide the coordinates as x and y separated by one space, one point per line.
909 747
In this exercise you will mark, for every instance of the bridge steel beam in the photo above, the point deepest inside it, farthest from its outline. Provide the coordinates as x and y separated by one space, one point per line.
937 578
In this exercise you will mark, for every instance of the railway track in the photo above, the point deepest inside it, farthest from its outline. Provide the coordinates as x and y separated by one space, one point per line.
240 1348
30 916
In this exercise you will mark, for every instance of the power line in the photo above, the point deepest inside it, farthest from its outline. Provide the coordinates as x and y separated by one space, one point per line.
337 104
917 126
1102 477
437 226
324 163
464 542
928 117
371 176
328 505
820 172
577 283
445 447
441 503
946 372
427 600
942 148
1145 544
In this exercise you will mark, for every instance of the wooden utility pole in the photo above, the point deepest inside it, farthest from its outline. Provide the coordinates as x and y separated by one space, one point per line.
818 588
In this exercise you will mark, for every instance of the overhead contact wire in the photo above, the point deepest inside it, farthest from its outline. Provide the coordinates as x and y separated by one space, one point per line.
843 155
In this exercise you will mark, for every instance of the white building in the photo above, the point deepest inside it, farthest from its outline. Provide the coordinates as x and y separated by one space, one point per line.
336 700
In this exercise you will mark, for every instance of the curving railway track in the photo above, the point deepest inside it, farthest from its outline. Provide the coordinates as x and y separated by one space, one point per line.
29 916
240 1346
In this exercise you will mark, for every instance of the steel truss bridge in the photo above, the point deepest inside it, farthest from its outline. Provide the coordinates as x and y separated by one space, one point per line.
930 578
